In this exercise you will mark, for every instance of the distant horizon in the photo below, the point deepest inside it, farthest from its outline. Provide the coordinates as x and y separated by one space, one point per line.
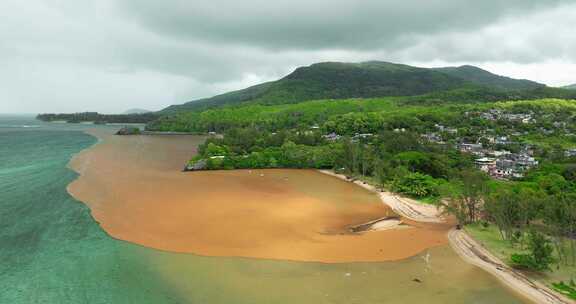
147 54
423 65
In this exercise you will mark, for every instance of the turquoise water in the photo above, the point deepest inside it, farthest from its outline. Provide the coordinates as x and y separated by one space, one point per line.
53 252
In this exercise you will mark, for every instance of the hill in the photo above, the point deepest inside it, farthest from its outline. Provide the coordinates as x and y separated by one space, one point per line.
336 80
487 79
136 111
570 87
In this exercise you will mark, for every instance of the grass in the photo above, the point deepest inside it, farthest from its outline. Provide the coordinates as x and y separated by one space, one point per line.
549 141
490 238
565 289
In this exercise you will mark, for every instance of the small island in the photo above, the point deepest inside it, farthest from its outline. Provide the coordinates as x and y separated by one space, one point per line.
129 131
97 118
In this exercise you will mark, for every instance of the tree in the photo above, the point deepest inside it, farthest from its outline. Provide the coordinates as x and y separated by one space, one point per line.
503 208
466 205
541 250
416 184
473 191
456 207
215 150
540 256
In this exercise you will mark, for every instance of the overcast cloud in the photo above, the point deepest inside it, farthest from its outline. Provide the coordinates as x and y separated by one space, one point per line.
113 55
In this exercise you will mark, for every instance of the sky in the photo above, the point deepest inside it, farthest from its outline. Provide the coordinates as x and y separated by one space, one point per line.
113 55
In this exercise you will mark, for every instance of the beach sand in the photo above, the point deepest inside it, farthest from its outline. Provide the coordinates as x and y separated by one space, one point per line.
137 193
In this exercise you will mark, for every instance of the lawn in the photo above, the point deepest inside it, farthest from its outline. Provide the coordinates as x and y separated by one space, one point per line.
490 238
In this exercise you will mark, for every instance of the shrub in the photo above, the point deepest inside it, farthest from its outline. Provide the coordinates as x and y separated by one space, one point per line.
540 256
416 184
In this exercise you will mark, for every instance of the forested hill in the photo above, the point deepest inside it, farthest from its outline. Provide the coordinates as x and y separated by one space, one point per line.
485 78
570 87
335 80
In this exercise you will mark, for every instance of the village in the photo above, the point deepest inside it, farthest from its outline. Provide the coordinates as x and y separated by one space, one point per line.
500 154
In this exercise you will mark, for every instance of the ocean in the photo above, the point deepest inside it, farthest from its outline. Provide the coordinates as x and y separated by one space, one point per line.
53 252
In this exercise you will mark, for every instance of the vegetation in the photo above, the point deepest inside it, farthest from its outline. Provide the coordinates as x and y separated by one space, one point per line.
99 118
409 144
334 80
422 172
529 222
567 289
129 131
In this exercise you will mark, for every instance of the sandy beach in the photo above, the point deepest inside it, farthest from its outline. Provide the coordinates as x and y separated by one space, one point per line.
137 193
466 247
474 253
403 206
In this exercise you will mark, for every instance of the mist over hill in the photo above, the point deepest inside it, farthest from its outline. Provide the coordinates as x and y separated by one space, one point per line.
136 111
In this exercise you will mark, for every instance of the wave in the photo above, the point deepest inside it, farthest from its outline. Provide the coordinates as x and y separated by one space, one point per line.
19 126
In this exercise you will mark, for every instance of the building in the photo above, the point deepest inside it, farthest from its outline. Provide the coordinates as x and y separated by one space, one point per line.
570 153
331 137
470 148
485 164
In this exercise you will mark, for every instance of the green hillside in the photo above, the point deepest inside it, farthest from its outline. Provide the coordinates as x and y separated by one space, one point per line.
485 78
570 87
334 80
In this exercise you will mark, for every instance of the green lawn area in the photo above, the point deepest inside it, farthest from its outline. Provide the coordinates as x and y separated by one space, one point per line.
490 238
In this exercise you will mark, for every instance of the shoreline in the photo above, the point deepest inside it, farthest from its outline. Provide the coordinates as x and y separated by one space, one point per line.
467 248
460 242
132 184
476 254
404 207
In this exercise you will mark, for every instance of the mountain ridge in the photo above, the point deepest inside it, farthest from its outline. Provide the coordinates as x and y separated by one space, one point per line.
339 80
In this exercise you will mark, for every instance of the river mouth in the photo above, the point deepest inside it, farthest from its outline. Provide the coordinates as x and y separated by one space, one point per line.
137 193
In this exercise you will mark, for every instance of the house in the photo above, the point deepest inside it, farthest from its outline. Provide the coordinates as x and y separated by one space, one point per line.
451 130
469 148
497 154
433 137
485 164
502 140
331 137
570 153
362 135
501 173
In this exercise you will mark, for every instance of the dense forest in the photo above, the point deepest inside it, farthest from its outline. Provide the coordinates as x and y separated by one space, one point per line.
337 80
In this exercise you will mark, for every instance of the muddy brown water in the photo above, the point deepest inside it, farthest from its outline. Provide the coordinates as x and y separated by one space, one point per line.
266 236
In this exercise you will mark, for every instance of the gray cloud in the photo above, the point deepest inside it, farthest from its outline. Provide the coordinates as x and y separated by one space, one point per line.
110 55
320 24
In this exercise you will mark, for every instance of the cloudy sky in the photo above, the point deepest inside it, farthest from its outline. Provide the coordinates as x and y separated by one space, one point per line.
113 55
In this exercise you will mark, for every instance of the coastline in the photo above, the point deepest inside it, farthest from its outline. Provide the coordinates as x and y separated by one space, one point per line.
474 253
466 247
461 243
404 207
133 183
